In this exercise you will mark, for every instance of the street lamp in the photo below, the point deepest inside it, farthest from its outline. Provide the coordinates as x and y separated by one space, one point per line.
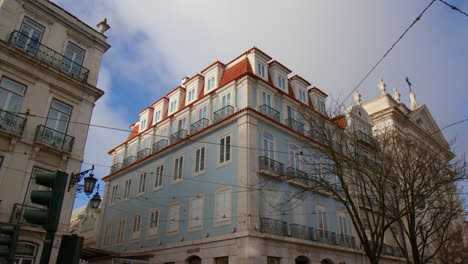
88 186
96 200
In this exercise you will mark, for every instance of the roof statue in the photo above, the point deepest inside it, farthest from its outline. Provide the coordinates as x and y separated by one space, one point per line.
396 95
357 97
382 86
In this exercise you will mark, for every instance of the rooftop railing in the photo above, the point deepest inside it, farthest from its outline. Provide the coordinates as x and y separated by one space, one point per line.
48 55
143 153
117 166
270 165
199 125
129 160
270 112
54 138
178 135
160 145
273 226
295 125
11 122
223 112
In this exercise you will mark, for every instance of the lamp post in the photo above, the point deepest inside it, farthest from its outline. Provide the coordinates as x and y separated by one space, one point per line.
88 186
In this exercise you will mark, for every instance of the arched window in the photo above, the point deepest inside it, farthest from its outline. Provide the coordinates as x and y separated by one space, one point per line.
194 260
302 260
25 252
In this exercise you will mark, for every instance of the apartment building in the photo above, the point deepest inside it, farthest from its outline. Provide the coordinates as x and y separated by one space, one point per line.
49 67
199 179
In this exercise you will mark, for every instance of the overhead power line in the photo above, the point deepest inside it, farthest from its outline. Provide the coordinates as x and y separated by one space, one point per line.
453 7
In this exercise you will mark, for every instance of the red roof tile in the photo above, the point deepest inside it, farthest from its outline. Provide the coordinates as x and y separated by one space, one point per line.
148 107
157 101
297 76
235 72
212 64
340 120
134 132
318 90
193 77
277 62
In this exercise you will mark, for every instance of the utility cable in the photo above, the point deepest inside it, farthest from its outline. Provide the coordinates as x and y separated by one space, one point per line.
453 7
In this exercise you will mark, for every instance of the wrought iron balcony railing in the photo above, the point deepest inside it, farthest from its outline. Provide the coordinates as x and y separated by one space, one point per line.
270 112
117 166
129 160
48 55
178 135
369 162
54 138
270 165
346 241
325 237
199 125
143 153
222 113
295 125
392 251
17 214
366 138
298 175
160 145
302 232
272 226
11 122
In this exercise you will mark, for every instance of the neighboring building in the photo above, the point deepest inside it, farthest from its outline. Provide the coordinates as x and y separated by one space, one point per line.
199 177
83 223
49 66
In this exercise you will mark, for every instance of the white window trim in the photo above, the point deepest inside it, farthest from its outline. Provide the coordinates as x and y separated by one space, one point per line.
227 220
300 167
218 149
107 235
194 162
155 233
134 237
113 200
121 235
267 203
197 227
211 77
184 161
275 145
318 207
176 231
129 191
301 202
139 193
162 176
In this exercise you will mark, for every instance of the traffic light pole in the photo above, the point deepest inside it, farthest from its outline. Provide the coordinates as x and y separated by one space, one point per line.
47 247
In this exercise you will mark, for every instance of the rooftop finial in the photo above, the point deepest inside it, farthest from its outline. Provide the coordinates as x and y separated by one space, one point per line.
396 95
412 98
357 97
103 26
382 86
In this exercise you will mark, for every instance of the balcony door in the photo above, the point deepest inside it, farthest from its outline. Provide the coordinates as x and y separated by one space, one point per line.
57 123
11 96
74 56
30 35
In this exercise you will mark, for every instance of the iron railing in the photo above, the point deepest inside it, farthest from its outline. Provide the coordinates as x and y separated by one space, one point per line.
392 251
270 112
346 241
326 237
222 113
143 153
117 166
178 135
11 122
199 125
295 125
369 162
366 138
129 160
298 175
302 232
17 214
160 145
270 165
273 226
49 56
54 138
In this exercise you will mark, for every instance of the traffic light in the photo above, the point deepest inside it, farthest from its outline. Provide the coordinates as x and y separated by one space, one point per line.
52 199
8 238
70 249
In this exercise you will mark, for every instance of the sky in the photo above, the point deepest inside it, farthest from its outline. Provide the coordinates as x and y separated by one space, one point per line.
332 44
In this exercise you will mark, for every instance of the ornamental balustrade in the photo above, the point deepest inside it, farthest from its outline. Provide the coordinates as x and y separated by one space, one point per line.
160 145
178 135
325 237
273 226
199 125
129 160
11 122
295 125
117 166
54 138
301 231
270 112
346 241
48 55
143 153
223 113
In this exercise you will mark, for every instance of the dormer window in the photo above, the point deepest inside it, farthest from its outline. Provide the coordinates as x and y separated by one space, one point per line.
302 96
261 70
191 95
157 116
143 125
321 106
210 83
282 83
173 106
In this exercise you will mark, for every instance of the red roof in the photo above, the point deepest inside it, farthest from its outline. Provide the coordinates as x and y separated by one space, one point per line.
297 76
277 62
134 132
148 107
235 72
157 101
175 89
193 77
318 90
340 120
212 64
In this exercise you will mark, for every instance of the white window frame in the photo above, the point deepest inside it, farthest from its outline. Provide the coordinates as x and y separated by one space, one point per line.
191 95
153 231
178 168
294 156
157 116
203 112
226 99
22 258
137 221
127 189
142 180
121 230
195 221
222 148
298 211
173 106
269 146
322 217
211 83
226 211
261 70
271 203
143 124
303 96
199 160
159 171
282 83
107 235
342 222
267 99
11 91
114 194
173 221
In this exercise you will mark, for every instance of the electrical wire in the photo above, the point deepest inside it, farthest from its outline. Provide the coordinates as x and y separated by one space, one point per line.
453 7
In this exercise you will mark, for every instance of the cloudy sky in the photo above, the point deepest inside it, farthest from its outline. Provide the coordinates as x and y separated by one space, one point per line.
331 43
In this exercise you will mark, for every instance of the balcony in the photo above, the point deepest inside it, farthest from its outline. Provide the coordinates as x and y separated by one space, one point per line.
12 122
199 125
392 251
272 226
295 125
48 55
178 135
143 153
302 232
222 113
117 166
298 176
17 214
160 145
54 138
363 137
346 241
270 112
270 165
326 237
129 160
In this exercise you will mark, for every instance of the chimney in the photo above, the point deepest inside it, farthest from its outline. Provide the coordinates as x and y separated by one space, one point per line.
412 98
183 81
